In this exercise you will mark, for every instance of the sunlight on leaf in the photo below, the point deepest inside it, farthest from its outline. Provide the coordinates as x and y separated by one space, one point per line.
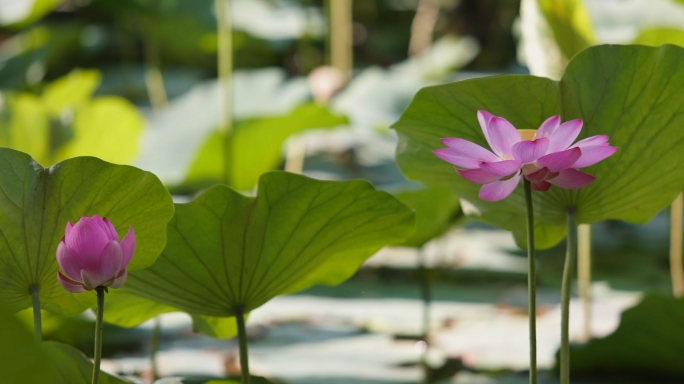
636 105
36 205
258 145
228 252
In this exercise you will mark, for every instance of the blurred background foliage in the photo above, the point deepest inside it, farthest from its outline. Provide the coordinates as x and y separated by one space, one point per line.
135 82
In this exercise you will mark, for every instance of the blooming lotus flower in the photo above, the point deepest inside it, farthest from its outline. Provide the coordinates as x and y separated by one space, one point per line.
544 157
91 256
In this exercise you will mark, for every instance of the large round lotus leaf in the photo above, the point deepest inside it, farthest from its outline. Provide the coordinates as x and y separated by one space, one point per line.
36 204
227 252
630 93
436 210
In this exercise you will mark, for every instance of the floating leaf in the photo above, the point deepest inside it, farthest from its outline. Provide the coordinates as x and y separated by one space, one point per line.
257 145
36 205
227 252
630 93
647 342
72 366
436 210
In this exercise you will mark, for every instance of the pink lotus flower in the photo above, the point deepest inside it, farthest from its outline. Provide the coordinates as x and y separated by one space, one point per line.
91 256
544 157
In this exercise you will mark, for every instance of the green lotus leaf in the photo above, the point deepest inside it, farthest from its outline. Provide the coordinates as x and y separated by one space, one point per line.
257 145
647 342
108 127
436 209
227 253
65 122
72 91
72 366
630 93
25 362
37 202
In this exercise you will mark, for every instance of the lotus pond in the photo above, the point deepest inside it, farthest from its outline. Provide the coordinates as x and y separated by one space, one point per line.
341 191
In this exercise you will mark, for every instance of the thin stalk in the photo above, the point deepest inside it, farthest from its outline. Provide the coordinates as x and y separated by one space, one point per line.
225 73
154 346
154 81
531 281
340 35
584 277
426 294
242 338
427 13
676 268
37 317
569 267
98 334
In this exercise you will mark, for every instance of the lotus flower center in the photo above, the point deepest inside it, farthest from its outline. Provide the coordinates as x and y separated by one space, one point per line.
527 134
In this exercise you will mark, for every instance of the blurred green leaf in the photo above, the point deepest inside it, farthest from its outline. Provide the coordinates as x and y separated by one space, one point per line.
72 91
36 205
108 128
647 342
227 252
659 36
65 122
127 309
257 145
218 327
25 362
29 128
180 380
636 105
436 209
569 20
72 366
39 9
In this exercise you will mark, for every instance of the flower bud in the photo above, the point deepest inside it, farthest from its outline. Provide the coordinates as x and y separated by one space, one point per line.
90 255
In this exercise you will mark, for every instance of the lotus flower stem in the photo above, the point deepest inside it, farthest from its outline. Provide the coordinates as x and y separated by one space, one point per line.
566 287
37 318
154 347
531 281
242 338
584 277
98 334
676 269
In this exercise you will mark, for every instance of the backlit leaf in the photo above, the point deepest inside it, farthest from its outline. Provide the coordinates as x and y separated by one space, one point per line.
37 203
630 93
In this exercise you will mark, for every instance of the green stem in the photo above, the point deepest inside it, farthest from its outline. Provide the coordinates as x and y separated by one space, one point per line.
154 347
531 281
427 297
98 334
37 318
570 258
225 74
242 337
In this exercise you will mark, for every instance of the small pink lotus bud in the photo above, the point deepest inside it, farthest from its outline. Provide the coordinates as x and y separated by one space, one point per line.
91 256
